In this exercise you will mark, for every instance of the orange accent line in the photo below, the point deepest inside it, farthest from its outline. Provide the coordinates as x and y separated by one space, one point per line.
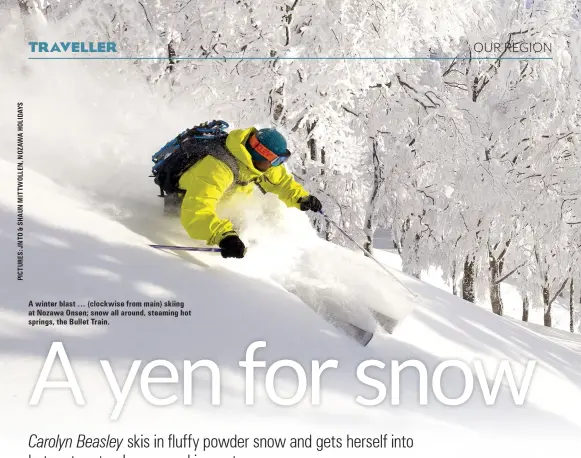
263 150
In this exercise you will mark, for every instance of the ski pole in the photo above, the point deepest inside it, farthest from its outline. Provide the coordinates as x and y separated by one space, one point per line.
373 258
186 248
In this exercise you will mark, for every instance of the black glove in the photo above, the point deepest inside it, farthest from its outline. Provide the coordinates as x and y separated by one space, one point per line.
310 203
232 247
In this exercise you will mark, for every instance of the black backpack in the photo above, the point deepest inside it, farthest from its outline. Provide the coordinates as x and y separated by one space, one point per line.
192 145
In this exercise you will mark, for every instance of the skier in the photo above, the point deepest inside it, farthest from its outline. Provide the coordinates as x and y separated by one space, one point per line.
259 156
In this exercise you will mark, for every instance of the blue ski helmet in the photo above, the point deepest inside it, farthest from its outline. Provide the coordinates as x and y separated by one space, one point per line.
271 139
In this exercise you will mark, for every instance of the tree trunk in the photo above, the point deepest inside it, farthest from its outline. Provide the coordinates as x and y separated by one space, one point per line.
571 307
468 280
495 295
368 244
416 271
548 301
579 303
327 231
409 254
547 306
171 53
454 280
496 300
525 307
371 206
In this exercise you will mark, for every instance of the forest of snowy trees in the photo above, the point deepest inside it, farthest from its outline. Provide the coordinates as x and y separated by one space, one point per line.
472 164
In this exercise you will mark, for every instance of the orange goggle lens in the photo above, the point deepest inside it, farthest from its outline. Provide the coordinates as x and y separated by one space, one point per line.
266 153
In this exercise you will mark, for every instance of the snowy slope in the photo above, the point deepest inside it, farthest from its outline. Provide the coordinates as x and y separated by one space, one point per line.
74 252
511 299
564 338
511 296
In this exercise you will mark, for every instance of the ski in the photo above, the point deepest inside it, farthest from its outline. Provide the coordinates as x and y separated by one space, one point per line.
186 248
359 335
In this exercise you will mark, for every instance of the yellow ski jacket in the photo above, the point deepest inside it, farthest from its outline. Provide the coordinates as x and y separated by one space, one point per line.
207 181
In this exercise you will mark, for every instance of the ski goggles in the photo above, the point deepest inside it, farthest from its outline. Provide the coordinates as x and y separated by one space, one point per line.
274 159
